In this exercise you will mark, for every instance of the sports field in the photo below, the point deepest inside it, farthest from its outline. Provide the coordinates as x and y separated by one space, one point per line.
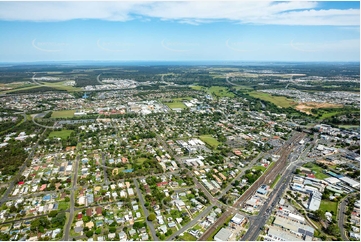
63 134
63 114
175 105
209 140
277 100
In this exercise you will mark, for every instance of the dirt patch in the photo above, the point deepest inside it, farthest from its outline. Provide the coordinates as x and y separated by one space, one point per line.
306 107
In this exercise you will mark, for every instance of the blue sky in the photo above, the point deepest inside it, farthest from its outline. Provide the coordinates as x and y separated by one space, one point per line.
179 31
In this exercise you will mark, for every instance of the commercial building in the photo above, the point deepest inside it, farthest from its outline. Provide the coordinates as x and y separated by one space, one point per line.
277 234
297 228
315 201
223 235
350 182
238 219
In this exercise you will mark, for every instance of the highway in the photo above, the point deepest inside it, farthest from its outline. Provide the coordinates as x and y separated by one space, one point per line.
43 126
269 175
98 80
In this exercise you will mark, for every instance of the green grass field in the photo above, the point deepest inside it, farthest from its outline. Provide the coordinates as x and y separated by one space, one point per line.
276 181
56 85
220 91
328 206
180 99
214 90
61 86
63 134
141 160
63 205
188 237
197 88
317 170
21 88
175 105
277 100
349 126
262 168
63 114
242 87
330 114
208 139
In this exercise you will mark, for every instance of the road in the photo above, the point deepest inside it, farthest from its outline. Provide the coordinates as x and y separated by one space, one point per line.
341 218
240 174
98 80
270 174
37 83
268 206
189 225
43 126
72 200
273 199
106 180
146 212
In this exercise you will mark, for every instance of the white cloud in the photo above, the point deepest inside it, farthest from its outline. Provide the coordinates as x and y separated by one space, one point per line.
262 12
341 45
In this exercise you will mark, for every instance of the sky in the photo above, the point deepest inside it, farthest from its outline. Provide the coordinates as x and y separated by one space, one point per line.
180 31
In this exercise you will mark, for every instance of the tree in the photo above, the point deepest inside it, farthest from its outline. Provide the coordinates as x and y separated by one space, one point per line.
98 231
138 225
53 214
318 215
89 234
151 217
112 230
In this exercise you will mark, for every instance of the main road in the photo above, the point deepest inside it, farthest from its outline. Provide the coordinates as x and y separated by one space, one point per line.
274 198
268 206
270 174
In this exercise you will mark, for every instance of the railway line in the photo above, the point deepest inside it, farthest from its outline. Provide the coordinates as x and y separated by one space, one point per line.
269 175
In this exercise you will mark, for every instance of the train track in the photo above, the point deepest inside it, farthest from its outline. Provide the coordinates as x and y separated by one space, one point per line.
269 175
